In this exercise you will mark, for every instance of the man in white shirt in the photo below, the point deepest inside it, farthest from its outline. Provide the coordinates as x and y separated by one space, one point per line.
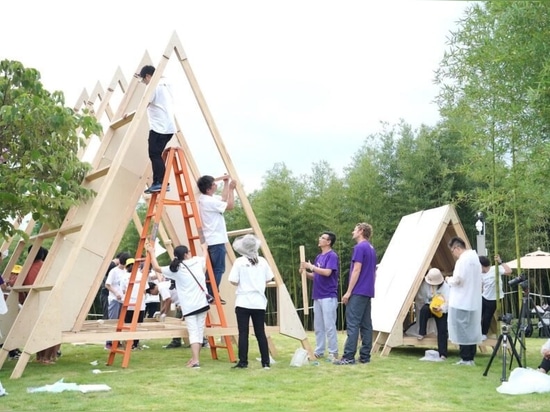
162 126
113 284
464 319
489 293
212 208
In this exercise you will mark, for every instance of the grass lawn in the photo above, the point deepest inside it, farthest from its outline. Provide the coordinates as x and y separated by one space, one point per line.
157 380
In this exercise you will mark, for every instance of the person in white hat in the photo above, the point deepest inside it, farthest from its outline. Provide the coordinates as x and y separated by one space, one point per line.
250 273
432 298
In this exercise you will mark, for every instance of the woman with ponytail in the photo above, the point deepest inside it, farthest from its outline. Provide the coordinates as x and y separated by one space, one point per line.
188 273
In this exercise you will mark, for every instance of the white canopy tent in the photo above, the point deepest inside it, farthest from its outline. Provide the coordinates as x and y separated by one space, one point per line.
533 260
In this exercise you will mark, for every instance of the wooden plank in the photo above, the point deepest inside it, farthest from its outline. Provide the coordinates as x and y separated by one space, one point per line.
127 118
67 230
96 174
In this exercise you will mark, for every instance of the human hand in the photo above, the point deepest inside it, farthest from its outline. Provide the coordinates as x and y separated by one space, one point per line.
345 298
233 184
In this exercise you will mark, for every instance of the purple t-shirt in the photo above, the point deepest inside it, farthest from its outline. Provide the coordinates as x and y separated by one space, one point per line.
326 286
364 253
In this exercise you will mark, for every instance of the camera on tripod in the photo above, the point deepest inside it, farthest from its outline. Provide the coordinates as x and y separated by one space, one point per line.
506 318
520 280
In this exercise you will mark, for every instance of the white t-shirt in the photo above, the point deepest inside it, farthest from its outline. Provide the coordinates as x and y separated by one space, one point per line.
251 280
114 279
166 293
211 209
135 290
190 295
466 282
490 284
160 110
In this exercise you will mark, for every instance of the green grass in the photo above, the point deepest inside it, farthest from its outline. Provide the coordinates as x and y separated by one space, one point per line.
157 380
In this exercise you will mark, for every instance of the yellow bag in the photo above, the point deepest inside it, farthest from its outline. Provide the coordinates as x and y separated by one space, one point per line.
437 302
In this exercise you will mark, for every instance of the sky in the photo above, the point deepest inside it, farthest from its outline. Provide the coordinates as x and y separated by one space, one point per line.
293 82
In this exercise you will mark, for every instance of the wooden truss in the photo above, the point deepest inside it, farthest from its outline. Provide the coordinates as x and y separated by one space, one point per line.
58 303
418 244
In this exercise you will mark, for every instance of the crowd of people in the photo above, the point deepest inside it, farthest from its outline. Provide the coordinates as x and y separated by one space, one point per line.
462 306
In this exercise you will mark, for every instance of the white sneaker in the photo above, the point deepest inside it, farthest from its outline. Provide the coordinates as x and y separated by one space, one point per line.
466 363
331 358
483 337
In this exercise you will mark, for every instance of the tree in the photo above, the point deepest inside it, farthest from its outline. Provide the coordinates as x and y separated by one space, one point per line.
40 172
494 85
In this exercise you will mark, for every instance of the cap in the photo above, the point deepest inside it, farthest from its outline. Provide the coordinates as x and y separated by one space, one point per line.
16 269
129 262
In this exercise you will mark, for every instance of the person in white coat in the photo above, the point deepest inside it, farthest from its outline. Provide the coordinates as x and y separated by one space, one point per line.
464 319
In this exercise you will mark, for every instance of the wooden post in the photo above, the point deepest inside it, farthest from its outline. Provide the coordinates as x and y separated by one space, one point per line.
304 281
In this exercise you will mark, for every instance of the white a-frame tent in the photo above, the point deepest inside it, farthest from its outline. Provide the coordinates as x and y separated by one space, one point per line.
59 301
419 243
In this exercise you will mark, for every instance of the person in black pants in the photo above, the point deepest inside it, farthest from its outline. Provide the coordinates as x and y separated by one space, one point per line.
250 273
432 303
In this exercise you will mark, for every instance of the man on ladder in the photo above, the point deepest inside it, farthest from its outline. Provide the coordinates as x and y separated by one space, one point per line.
211 209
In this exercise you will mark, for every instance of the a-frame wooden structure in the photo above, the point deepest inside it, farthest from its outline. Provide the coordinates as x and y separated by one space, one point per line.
58 303
418 244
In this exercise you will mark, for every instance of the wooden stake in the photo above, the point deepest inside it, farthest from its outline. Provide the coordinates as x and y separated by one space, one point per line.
304 281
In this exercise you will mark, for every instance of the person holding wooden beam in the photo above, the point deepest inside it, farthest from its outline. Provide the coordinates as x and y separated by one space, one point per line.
212 208
325 273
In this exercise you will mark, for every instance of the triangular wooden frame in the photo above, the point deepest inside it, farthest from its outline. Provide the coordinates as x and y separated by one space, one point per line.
419 243
58 303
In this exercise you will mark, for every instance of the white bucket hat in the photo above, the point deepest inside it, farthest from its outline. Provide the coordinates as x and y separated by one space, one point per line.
434 277
247 245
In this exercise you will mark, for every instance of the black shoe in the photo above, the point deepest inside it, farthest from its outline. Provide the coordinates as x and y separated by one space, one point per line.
172 345
240 365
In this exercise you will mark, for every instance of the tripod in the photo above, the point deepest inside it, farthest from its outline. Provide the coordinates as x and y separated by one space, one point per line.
503 340
524 327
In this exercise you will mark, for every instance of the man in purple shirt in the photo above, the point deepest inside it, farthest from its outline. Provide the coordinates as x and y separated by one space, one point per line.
325 273
358 297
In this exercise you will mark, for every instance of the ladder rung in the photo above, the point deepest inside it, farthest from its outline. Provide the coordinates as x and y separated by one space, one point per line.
96 174
173 202
123 120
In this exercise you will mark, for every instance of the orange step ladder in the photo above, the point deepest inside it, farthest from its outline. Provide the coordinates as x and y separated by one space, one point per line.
176 164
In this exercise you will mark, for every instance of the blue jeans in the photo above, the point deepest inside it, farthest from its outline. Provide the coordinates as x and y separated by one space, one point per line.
217 258
358 321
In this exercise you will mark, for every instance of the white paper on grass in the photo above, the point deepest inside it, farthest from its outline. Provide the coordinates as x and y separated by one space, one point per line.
61 386
300 358
525 380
